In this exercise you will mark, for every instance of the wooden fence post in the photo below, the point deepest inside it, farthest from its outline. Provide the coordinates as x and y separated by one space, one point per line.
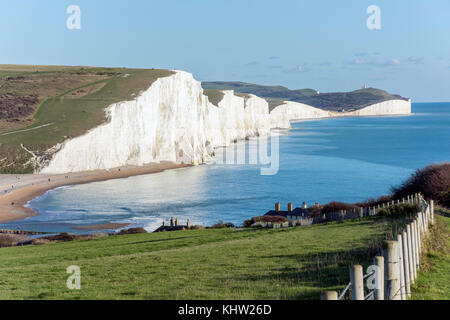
406 264
416 249
390 253
432 211
412 253
329 295
420 224
425 220
401 268
418 244
357 281
379 287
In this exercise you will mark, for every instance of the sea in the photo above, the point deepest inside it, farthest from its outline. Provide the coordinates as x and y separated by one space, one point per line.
318 161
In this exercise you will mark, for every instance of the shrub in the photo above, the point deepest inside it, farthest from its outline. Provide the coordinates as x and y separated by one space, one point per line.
40 241
399 210
132 231
9 240
315 210
271 219
372 202
221 225
337 206
62 237
432 181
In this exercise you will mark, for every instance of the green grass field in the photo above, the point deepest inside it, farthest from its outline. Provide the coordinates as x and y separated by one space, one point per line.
294 263
434 279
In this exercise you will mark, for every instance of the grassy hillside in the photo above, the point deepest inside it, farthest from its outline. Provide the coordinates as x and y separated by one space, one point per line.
434 280
335 101
41 106
295 263
214 96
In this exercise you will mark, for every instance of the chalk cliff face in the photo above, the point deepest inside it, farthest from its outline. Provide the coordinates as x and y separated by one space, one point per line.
171 121
391 107
290 111
174 121
283 114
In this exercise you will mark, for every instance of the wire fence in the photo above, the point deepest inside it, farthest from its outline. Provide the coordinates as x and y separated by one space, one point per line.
395 270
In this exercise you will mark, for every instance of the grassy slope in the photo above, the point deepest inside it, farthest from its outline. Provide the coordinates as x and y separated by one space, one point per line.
74 116
294 263
214 96
70 116
434 279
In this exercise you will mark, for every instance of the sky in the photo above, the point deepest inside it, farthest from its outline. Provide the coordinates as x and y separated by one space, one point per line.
320 44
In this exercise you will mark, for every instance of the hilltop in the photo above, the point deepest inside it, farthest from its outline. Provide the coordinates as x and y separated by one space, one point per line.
332 101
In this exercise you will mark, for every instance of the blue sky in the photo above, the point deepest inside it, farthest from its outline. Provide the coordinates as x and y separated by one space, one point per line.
321 44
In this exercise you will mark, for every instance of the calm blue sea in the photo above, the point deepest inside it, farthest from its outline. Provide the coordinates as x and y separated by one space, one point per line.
346 159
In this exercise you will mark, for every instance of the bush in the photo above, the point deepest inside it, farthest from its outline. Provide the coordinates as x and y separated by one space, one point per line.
371 202
9 240
132 231
271 219
432 181
65 237
337 206
62 237
399 210
40 241
221 225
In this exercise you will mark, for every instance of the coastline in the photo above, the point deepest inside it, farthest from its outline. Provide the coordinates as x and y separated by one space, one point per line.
17 190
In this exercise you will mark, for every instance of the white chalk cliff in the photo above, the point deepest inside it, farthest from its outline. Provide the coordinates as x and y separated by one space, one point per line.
174 121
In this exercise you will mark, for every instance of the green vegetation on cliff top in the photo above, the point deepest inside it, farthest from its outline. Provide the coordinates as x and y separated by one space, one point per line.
333 101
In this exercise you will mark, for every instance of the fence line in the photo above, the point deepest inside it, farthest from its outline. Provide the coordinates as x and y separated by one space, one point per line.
396 268
352 214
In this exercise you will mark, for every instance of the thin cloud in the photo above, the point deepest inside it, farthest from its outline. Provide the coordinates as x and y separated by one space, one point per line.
373 63
419 60
274 58
323 64
367 54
